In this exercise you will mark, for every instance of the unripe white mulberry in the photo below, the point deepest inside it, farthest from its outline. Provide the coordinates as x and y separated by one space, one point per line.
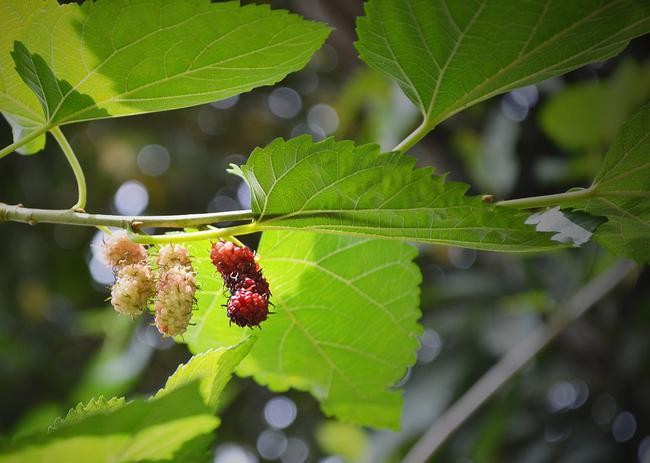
174 300
134 286
120 251
172 255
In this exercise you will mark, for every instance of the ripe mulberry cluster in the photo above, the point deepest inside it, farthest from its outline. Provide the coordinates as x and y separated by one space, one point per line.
248 304
175 290
134 280
135 283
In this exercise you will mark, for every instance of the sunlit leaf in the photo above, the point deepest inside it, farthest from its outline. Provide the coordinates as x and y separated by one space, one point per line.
448 55
18 103
86 409
337 187
213 368
339 330
174 425
140 430
120 57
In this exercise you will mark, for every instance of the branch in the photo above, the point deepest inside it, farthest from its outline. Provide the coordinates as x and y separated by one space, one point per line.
69 217
514 361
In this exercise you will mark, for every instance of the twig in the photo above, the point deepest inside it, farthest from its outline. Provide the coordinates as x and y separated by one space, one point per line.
514 361
31 216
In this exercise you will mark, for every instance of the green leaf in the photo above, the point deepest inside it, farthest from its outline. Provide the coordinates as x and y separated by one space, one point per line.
84 410
139 430
621 191
590 114
339 330
213 368
448 55
18 103
176 424
122 57
337 187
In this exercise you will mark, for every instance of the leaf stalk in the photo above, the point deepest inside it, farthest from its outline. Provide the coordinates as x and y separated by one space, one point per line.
23 141
535 202
418 134
74 164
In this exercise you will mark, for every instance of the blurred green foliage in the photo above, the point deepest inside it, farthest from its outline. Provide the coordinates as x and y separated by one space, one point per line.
588 115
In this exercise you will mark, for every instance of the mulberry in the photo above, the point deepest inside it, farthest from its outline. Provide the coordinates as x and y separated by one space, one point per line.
174 300
172 255
233 260
247 308
120 251
133 288
249 291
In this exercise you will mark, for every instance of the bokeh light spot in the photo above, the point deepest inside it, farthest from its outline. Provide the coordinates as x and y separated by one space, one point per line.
153 160
226 103
297 451
271 444
324 117
285 102
430 346
624 427
131 198
232 453
280 412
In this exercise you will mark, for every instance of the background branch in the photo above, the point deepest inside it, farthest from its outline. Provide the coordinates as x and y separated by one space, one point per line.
514 361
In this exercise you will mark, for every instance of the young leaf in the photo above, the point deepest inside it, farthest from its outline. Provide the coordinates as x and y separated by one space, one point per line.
121 57
448 55
213 368
345 322
86 409
621 191
151 430
337 187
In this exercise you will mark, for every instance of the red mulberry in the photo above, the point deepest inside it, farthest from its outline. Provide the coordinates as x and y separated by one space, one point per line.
247 308
231 259
249 291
